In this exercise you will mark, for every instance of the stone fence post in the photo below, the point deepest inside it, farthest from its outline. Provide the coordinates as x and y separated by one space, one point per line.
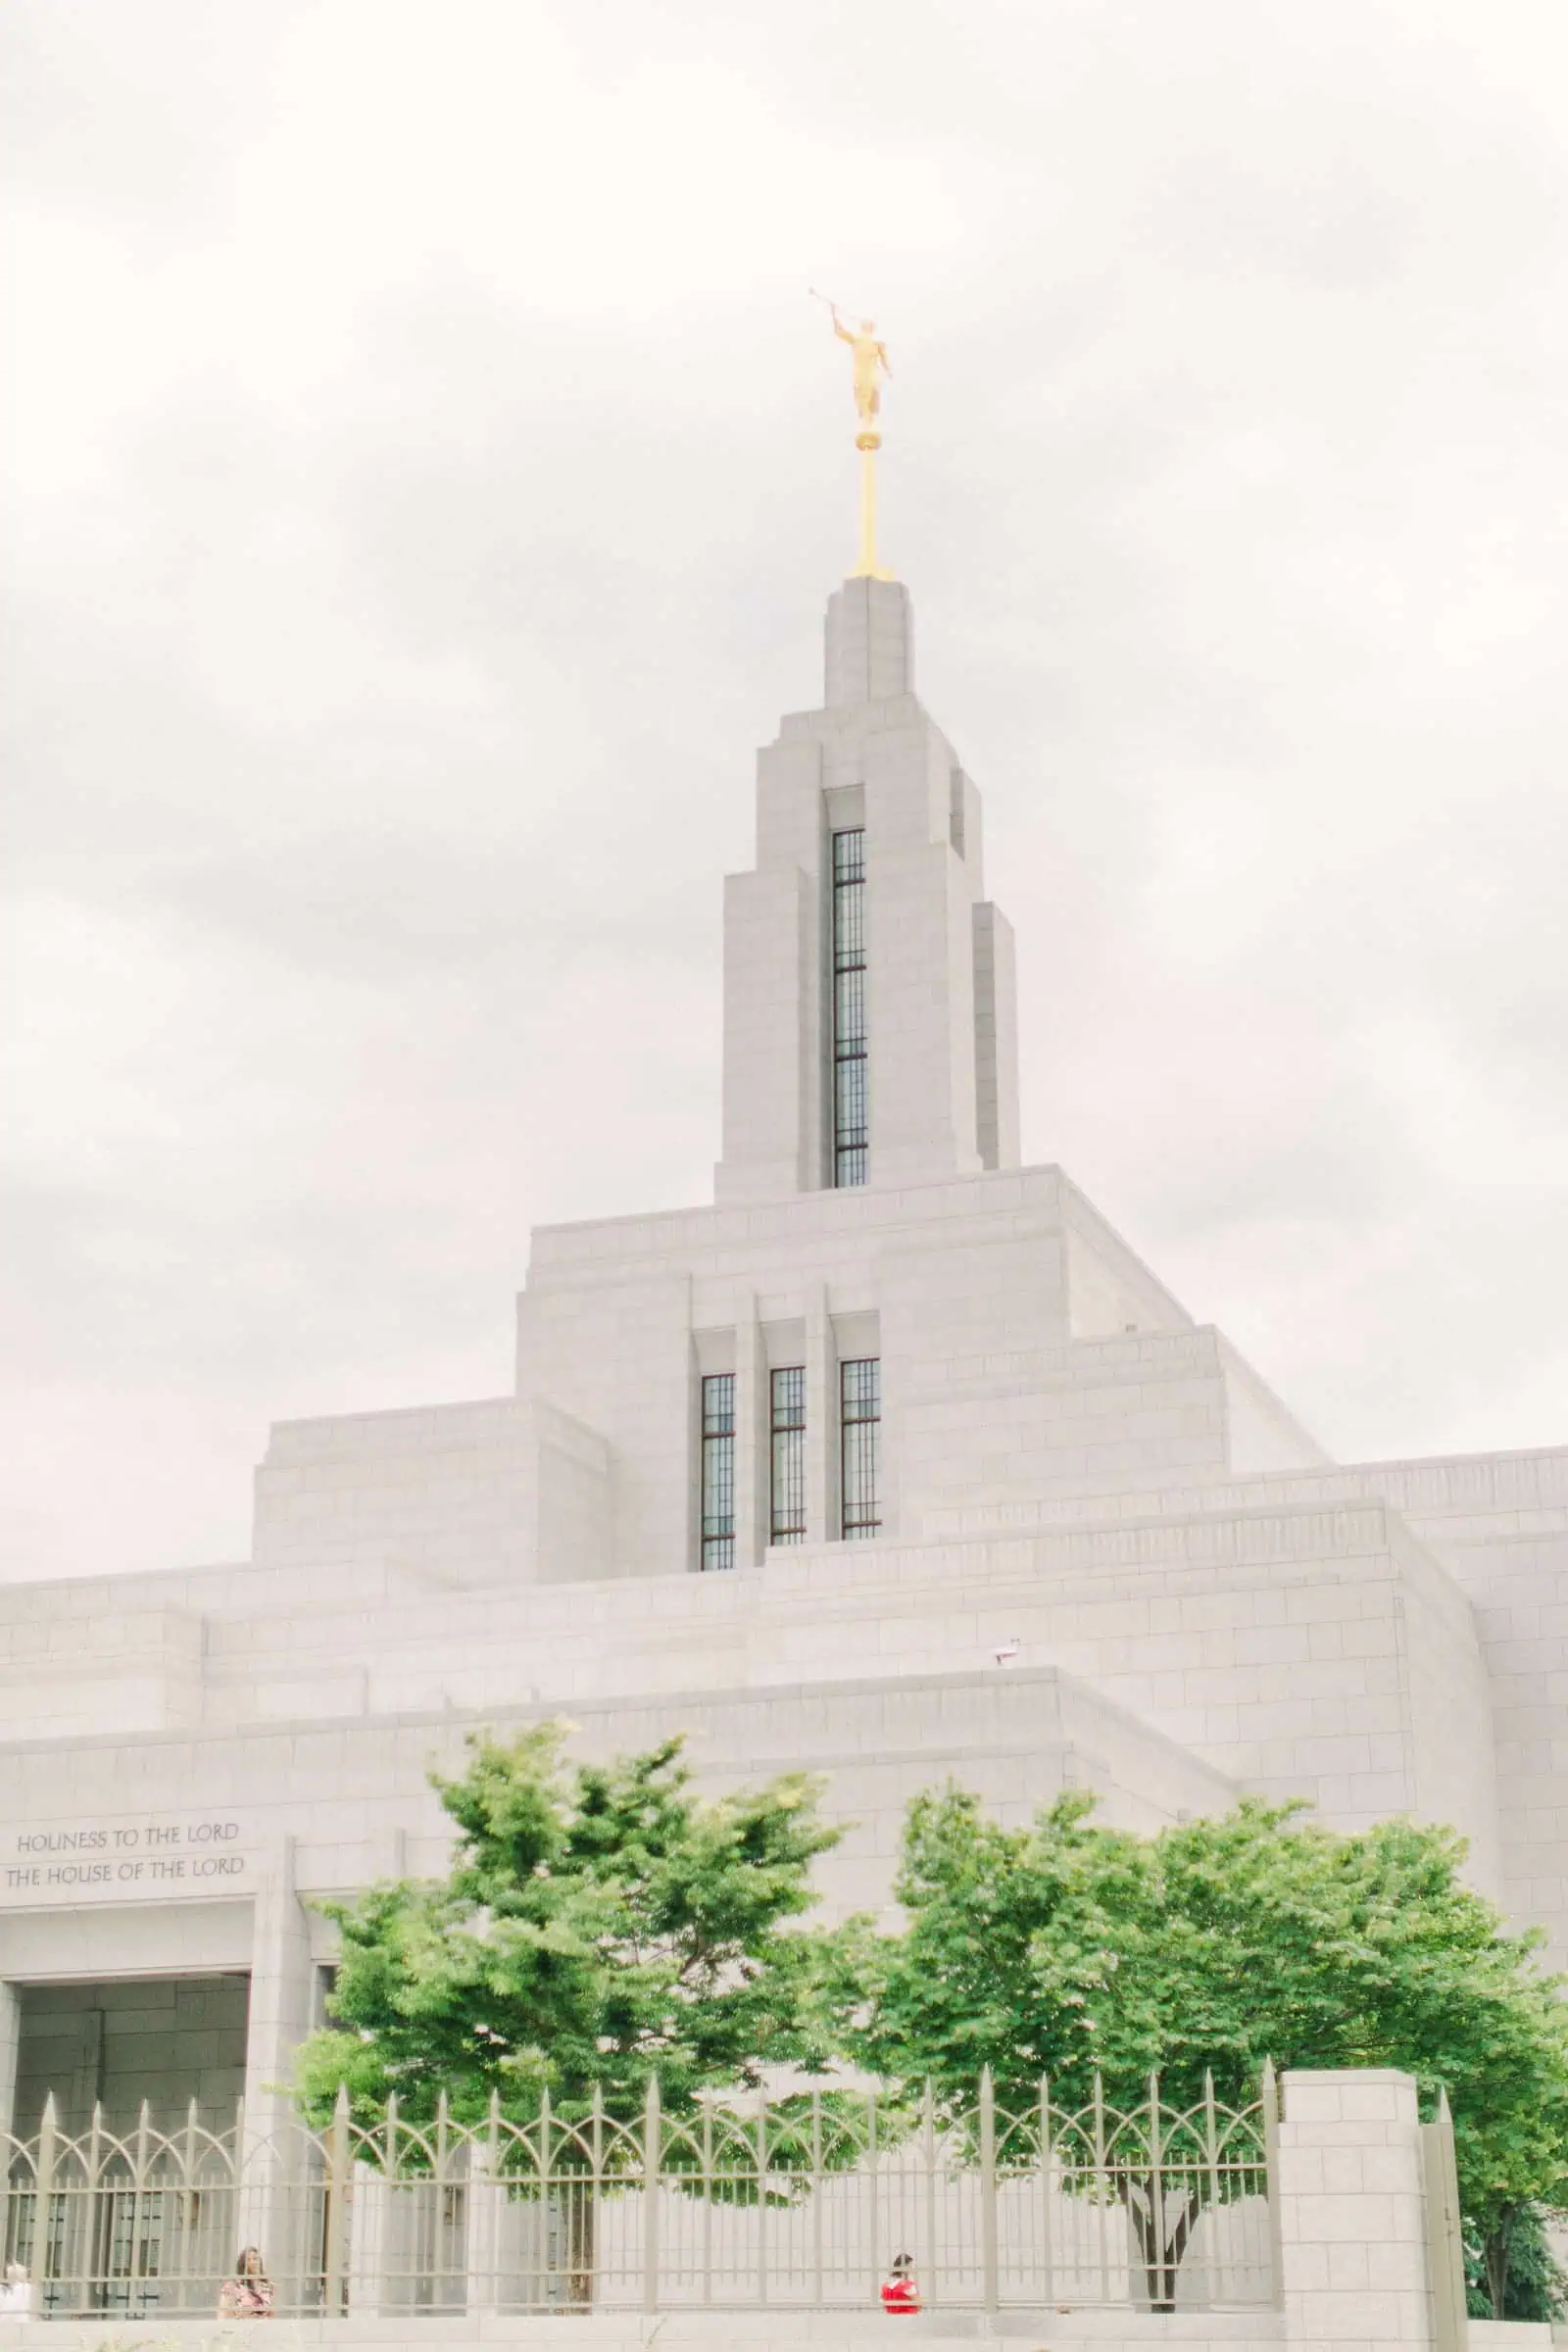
1352 2224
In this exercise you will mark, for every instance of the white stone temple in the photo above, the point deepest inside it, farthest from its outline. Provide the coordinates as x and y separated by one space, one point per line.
894 1462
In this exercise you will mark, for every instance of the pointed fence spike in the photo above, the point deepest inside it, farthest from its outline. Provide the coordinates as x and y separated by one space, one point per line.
1443 2115
44 2173
340 2105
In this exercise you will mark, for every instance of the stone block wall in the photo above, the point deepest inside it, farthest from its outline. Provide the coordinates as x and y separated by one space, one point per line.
969 1282
1009 1420
1353 2217
355 1800
488 1494
164 2039
66 1674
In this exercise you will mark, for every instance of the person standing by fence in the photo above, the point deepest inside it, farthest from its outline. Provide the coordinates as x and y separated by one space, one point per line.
901 2295
247 2296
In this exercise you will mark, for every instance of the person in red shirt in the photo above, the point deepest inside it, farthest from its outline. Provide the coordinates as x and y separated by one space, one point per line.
900 2294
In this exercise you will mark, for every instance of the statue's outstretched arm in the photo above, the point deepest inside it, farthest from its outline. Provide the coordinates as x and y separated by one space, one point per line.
840 330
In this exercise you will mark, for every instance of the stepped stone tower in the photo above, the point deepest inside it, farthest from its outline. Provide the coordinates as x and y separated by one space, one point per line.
867 829
893 1462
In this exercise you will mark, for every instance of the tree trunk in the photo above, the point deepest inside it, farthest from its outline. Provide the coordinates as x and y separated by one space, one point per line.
1160 2250
1495 2256
578 2230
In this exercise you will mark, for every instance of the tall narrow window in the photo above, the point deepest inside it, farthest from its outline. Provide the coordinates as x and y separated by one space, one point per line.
718 1470
860 1445
787 1508
849 1007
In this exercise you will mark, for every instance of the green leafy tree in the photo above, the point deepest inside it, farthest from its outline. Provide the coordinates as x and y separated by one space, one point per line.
1515 2275
1066 1948
600 1923
601 1926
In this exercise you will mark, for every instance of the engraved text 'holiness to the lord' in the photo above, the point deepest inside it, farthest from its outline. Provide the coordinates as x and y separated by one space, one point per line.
150 1855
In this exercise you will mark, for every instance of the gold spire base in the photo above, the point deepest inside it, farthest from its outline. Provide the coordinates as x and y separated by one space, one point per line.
868 568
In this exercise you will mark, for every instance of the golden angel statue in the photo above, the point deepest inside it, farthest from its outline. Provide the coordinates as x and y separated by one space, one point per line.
870 363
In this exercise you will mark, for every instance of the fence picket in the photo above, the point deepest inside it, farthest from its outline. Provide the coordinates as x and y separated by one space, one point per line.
935 2254
1046 2189
1271 2161
43 2235
339 2173
816 2192
989 2264
652 2150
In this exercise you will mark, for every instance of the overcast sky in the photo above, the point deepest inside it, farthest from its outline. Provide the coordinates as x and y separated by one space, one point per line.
425 474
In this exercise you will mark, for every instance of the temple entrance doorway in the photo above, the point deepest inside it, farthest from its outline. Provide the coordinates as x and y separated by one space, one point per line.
116 2042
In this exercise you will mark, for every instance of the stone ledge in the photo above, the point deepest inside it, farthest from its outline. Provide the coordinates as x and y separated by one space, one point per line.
697 2331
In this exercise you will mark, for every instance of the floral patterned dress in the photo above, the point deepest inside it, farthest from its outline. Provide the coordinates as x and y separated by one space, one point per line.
245 2299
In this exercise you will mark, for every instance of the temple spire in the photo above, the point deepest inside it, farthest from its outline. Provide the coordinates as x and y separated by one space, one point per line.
869 1027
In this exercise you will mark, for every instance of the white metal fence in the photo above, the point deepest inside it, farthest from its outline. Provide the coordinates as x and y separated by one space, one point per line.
795 2201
